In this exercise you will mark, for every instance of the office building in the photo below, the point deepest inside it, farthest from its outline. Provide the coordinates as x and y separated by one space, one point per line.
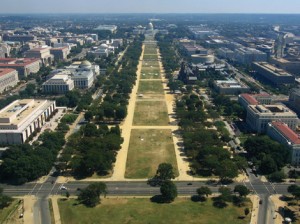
225 53
292 66
8 78
280 132
274 75
246 99
294 99
111 28
24 66
42 53
230 87
60 53
4 50
22 118
258 116
249 55
19 38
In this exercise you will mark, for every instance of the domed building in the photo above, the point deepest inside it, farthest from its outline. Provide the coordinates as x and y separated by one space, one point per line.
103 46
150 26
85 64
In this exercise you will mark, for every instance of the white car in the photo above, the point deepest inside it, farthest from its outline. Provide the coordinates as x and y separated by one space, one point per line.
63 188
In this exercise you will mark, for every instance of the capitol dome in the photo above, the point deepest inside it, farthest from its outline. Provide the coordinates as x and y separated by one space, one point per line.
150 26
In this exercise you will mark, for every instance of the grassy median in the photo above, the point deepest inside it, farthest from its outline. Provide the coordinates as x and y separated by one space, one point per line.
141 210
147 149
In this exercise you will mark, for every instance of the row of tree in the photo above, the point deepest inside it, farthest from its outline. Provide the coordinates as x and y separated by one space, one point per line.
118 87
94 150
23 163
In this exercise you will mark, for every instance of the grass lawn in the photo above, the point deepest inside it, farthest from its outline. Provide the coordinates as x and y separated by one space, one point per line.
149 113
150 49
150 57
150 74
148 63
147 149
151 87
6 212
141 211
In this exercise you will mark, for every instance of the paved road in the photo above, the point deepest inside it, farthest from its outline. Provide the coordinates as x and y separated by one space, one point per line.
138 188
135 188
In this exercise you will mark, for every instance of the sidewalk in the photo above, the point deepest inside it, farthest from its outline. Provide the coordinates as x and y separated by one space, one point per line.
255 208
55 208
29 202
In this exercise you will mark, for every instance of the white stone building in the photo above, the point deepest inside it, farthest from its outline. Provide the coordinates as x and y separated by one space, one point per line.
22 118
8 78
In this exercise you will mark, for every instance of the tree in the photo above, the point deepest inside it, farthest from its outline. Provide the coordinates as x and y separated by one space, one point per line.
121 113
90 196
168 191
88 116
164 172
278 176
246 211
227 169
242 190
294 190
4 199
203 191
67 194
225 193
89 130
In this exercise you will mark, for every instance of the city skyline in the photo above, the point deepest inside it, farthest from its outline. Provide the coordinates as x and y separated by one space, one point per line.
155 6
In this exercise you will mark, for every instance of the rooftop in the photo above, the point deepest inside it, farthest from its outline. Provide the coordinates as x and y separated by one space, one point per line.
20 113
17 62
288 133
4 71
279 110
274 70
249 98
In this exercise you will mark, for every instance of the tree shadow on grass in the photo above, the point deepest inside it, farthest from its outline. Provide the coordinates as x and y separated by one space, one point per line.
219 203
197 198
159 199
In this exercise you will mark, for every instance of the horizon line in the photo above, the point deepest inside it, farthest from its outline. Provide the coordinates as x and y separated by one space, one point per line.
162 13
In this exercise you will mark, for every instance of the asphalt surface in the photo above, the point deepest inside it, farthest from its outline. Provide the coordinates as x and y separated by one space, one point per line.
138 188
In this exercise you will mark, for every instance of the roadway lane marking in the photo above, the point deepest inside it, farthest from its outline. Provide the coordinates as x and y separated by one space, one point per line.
251 186
52 188
31 192
266 187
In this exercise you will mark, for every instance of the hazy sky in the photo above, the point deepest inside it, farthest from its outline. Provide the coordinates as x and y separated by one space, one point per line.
152 6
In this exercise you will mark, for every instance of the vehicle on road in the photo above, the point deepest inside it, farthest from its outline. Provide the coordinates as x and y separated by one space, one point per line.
63 188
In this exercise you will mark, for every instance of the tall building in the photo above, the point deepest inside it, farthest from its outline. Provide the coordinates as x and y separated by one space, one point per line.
274 75
24 66
8 78
258 116
280 132
22 118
